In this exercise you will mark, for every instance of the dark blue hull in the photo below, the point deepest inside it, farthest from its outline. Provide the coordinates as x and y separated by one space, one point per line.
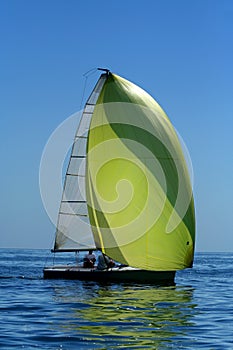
124 274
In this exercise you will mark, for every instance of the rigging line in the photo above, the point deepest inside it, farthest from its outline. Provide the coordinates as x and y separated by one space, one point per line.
90 72
86 76
84 88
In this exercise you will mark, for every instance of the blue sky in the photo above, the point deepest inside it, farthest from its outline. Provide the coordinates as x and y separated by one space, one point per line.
180 51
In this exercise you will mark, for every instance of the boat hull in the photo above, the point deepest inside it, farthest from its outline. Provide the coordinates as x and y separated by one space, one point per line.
125 274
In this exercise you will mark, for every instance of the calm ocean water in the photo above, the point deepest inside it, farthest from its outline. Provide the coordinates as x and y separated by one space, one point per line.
197 313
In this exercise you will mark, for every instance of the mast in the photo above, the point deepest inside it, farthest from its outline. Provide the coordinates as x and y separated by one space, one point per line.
73 231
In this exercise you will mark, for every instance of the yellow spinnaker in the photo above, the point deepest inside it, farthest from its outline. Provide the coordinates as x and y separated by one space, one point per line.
138 190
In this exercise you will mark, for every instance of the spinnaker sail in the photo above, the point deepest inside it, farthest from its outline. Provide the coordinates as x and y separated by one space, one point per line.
139 195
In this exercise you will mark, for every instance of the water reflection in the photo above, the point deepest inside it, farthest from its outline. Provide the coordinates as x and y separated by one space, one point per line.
127 316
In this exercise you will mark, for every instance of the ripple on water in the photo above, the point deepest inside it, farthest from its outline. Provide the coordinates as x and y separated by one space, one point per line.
37 313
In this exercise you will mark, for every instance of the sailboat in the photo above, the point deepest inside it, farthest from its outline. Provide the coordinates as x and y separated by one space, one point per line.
127 191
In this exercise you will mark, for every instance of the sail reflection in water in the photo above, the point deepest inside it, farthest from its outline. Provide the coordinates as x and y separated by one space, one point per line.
129 317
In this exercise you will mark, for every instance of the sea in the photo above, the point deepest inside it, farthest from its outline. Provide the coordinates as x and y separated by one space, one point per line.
195 313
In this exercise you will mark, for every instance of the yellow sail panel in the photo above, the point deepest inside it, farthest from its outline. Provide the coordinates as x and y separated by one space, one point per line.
138 191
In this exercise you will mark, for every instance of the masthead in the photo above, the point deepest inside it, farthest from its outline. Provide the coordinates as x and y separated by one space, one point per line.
104 70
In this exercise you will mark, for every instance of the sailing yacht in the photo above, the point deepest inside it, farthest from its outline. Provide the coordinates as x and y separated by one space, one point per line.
127 191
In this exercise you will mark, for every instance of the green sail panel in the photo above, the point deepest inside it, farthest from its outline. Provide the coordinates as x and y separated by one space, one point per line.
139 195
